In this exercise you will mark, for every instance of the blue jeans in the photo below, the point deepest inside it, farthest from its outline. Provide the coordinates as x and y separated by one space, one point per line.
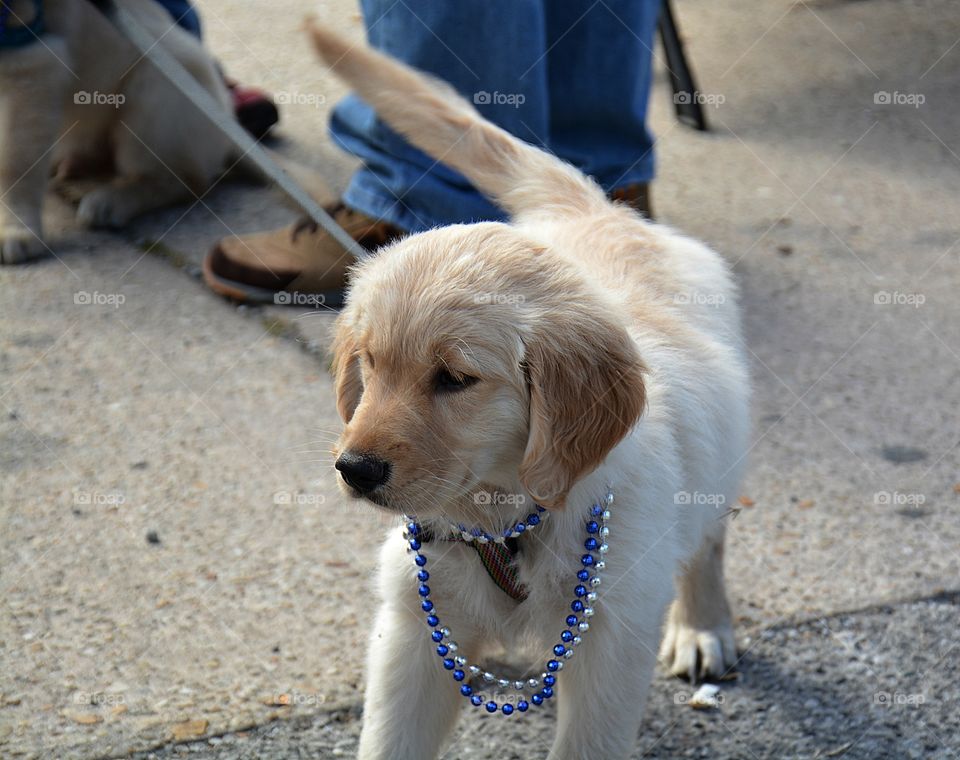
568 75
184 14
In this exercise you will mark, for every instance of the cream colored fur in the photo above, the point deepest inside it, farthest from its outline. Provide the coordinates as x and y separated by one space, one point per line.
155 147
606 353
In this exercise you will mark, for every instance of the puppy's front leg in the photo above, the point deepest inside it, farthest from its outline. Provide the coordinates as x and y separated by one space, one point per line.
411 702
603 688
34 81
699 628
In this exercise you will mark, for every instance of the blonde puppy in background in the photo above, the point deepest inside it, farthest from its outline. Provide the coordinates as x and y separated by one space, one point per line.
80 101
570 351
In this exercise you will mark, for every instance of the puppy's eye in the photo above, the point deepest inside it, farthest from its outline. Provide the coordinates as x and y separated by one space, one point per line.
446 381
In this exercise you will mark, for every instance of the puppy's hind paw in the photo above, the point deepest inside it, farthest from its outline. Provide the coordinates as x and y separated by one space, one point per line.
103 207
697 653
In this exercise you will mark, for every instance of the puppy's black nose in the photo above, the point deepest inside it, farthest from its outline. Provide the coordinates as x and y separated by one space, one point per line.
364 472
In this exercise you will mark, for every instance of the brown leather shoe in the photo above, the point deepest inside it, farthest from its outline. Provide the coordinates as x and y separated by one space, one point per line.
637 196
300 265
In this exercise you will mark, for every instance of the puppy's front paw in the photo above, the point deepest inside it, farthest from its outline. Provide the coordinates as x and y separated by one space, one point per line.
18 244
698 651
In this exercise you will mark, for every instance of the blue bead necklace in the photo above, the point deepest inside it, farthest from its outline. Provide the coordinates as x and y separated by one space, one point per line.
577 623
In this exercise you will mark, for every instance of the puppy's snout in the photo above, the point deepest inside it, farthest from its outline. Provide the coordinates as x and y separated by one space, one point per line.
363 472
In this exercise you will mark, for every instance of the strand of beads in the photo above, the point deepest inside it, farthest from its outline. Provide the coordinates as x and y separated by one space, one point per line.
585 594
515 531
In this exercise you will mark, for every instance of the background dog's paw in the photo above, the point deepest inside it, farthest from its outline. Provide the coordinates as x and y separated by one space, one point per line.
696 653
102 207
18 244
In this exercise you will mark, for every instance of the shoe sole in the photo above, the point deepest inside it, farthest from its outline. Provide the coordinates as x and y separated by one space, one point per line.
251 294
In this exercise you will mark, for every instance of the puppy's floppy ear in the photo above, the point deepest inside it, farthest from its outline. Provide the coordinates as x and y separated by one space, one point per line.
586 393
346 369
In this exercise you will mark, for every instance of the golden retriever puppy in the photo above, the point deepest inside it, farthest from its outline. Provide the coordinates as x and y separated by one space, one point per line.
81 100
574 353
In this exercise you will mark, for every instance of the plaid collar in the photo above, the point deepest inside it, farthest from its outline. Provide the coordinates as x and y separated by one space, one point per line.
499 560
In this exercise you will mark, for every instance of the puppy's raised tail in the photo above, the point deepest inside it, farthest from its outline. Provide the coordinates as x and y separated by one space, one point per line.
520 178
